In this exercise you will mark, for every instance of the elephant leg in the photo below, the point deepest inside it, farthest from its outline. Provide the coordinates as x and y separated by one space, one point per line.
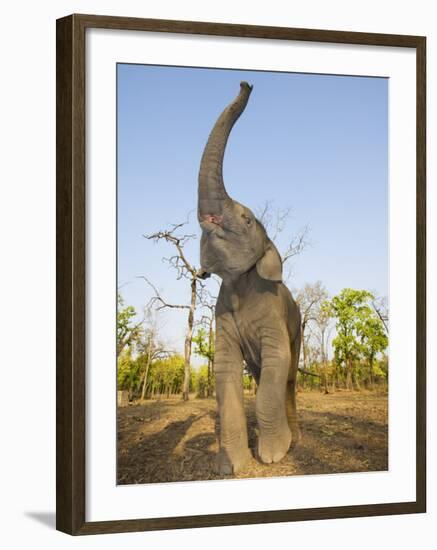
292 412
234 451
274 432
291 393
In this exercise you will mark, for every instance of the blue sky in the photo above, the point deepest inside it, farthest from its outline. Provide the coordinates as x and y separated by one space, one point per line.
314 143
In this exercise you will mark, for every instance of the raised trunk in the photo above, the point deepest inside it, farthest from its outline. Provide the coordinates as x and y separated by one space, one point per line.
212 192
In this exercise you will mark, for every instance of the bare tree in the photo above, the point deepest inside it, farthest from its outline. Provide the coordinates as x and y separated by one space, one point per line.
273 219
380 306
277 221
323 319
152 348
207 302
309 299
185 270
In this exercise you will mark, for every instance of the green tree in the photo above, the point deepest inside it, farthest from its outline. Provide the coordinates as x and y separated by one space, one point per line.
247 382
127 331
128 372
349 307
204 347
166 376
124 365
373 338
199 381
150 349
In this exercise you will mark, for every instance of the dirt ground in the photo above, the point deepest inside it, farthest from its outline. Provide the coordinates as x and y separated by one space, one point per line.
172 440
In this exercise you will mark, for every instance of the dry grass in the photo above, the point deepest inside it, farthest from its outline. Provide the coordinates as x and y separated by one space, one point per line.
172 440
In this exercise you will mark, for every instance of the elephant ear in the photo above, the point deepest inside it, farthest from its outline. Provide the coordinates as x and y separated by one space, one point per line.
269 266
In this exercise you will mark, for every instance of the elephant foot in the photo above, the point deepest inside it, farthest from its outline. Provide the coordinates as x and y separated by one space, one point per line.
273 448
228 463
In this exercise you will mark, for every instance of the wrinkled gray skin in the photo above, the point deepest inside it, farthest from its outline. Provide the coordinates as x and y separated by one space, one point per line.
257 319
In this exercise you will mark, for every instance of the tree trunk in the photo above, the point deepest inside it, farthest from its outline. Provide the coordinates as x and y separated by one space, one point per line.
349 374
209 389
355 380
324 362
131 389
146 372
325 378
188 342
304 356
338 376
208 383
371 378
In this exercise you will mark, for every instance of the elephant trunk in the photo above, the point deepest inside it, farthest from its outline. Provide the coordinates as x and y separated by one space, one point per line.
212 193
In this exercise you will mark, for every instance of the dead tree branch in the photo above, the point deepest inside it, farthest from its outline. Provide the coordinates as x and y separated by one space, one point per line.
158 298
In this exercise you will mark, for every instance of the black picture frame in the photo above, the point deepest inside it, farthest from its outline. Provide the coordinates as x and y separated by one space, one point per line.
71 282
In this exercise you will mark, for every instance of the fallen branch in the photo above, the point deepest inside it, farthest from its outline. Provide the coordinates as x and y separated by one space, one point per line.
303 371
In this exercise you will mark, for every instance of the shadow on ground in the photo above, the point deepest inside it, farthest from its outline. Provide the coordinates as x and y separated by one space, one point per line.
171 440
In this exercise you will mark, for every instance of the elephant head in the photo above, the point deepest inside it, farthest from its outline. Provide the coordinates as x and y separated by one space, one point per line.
233 240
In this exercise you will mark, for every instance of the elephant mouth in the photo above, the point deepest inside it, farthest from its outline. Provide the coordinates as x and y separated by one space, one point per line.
213 218
212 223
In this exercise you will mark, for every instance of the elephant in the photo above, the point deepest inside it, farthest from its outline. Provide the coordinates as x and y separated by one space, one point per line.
258 323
